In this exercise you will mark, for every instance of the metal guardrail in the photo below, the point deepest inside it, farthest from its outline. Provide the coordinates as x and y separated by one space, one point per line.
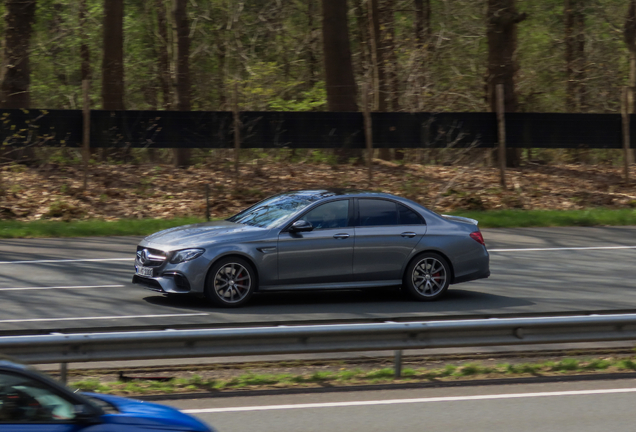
57 348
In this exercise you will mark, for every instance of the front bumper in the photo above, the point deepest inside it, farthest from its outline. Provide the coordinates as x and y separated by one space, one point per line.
169 284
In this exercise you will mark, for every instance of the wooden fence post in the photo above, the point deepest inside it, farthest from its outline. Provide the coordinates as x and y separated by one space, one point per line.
237 134
625 117
368 131
86 120
501 122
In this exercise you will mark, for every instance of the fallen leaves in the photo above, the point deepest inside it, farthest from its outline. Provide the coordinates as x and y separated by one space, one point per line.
133 191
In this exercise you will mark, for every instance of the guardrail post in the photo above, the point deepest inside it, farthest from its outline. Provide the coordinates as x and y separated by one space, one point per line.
397 363
63 372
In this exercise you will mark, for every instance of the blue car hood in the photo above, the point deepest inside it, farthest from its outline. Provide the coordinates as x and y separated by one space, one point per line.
149 415
198 234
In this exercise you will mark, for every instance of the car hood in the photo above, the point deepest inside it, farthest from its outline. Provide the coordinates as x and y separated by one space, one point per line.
150 415
197 234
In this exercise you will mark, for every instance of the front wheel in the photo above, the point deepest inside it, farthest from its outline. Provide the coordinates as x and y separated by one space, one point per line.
427 277
230 283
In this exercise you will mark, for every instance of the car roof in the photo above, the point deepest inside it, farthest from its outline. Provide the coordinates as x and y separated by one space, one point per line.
328 193
8 364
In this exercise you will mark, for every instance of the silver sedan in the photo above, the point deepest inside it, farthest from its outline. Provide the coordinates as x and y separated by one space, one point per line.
316 239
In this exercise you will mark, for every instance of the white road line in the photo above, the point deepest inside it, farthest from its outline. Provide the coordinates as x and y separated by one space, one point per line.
408 401
114 317
60 287
561 249
66 260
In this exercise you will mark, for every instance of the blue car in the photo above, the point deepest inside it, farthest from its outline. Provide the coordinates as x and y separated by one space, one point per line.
32 402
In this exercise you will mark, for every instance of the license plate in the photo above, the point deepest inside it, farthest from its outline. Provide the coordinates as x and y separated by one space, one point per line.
144 271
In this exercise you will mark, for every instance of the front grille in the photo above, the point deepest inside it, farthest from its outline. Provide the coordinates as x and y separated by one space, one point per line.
150 257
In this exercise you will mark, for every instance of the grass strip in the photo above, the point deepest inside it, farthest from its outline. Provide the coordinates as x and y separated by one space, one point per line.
551 218
344 377
88 228
142 227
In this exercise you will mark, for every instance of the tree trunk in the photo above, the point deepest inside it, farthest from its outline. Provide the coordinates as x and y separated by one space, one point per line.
312 58
362 36
113 57
183 86
15 75
377 64
113 62
502 20
568 16
341 86
340 82
16 69
163 57
629 34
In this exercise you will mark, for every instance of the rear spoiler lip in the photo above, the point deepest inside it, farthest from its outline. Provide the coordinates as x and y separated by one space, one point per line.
461 219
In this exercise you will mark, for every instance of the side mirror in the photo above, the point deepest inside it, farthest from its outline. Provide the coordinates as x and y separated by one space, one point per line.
301 226
86 415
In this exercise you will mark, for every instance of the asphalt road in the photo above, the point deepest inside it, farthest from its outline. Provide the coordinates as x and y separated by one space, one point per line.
59 284
560 407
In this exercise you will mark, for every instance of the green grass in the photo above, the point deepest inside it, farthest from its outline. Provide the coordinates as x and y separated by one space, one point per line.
487 219
548 218
249 380
88 228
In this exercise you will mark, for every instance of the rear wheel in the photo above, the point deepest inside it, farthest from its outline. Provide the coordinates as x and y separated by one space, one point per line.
427 277
230 283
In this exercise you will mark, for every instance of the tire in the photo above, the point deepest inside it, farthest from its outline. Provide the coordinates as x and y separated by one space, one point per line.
427 277
222 287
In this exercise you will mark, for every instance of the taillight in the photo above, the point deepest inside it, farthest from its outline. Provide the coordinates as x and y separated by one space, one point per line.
478 237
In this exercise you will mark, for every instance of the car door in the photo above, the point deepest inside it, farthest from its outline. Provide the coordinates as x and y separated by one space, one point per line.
323 255
386 234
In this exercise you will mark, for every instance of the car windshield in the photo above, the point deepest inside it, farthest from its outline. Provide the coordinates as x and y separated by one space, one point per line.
275 210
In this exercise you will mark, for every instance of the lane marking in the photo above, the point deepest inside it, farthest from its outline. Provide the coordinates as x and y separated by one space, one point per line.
114 317
408 401
61 287
563 249
66 260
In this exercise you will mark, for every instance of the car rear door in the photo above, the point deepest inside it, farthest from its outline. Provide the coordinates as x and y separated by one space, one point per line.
386 234
324 255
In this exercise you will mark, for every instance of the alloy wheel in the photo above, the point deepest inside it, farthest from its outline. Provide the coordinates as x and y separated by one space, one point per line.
232 283
429 277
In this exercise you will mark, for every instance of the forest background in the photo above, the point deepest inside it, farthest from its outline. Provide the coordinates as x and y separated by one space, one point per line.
312 55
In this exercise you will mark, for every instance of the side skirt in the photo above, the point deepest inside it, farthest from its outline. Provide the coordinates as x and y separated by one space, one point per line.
332 286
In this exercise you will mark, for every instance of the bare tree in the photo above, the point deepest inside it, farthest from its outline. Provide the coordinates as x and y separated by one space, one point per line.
629 34
183 85
574 55
502 20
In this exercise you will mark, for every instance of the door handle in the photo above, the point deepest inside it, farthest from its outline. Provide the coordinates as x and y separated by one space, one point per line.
341 236
408 234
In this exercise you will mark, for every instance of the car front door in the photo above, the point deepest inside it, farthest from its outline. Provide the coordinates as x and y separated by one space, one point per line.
386 233
27 405
323 255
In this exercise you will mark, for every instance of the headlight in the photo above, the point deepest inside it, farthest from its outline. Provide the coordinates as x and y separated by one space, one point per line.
186 255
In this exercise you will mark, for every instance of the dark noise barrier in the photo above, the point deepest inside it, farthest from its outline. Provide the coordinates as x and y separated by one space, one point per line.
214 129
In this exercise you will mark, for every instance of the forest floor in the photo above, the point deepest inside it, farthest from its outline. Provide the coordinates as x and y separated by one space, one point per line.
114 192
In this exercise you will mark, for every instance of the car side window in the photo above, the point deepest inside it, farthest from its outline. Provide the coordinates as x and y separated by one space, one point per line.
377 212
334 214
408 216
25 400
